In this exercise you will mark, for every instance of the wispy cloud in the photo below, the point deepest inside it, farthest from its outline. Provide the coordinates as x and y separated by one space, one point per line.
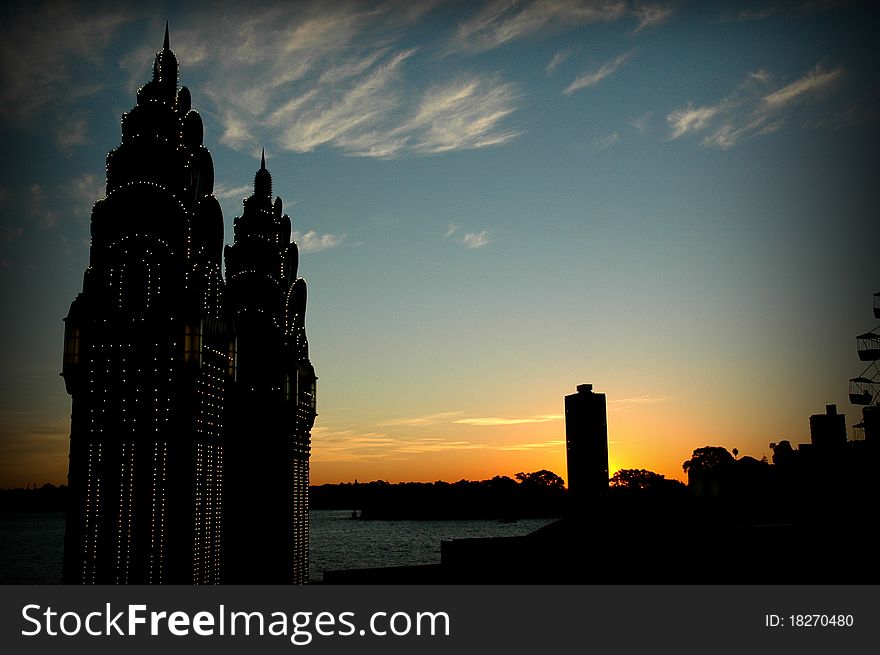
816 82
501 22
645 399
351 67
421 446
225 191
605 142
336 445
41 49
754 108
299 75
82 192
690 119
410 437
474 240
311 120
451 418
71 132
45 218
471 240
337 75
783 8
496 420
464 114
641 123
558 59
311 241
552 445
237 132
427 419
595 76
651 15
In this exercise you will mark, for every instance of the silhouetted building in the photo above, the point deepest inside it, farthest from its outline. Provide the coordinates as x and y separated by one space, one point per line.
151 362
272 400
828 430
586 443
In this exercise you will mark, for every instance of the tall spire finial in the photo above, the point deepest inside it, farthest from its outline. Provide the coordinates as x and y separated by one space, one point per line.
263 180
166 45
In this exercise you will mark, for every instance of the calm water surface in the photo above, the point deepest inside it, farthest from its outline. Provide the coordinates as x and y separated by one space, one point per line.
31 544
30 548
338 542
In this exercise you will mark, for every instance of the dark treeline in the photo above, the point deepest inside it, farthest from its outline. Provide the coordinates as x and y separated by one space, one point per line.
47 498
530 495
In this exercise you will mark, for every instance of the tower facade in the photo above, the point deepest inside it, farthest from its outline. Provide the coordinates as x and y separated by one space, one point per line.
272 400
586 443
151 361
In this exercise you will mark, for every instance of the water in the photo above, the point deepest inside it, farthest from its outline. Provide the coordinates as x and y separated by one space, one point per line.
31 545
338 542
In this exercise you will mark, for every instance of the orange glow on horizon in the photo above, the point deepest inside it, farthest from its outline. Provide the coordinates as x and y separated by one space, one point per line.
451 446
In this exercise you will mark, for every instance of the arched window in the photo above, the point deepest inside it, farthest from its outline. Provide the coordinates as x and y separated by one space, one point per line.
71 345
192 343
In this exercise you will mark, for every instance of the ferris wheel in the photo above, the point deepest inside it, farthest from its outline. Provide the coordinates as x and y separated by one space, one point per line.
865 389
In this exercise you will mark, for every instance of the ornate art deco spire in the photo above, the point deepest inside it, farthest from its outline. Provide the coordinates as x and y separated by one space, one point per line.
190 430
146 357
272 408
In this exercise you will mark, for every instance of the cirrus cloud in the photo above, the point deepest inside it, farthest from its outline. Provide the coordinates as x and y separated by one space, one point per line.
501 22
595 76
756 107
311 241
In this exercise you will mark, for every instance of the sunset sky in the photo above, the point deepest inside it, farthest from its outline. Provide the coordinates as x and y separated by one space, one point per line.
494 202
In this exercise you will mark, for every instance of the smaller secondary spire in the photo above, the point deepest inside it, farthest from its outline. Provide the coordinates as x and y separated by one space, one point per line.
166 45
263 160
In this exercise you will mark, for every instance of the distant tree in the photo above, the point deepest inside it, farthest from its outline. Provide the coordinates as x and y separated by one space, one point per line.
641 481
501 482
542 479
636 479
783 453
707 459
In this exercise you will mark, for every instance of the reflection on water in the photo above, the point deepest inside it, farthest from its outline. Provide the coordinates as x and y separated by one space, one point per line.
31 545
338 542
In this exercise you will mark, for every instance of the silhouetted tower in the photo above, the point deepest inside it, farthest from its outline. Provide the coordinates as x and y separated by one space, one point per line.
865 389
586 443
828 430
146 357
272 404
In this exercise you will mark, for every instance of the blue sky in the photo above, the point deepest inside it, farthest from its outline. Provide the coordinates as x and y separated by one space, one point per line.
494 203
